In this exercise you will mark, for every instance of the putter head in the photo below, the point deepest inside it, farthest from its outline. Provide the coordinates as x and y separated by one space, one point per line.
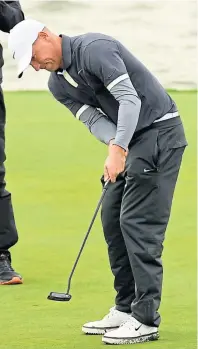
60 297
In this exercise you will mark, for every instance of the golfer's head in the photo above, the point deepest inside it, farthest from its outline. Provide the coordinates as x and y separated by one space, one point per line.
33 44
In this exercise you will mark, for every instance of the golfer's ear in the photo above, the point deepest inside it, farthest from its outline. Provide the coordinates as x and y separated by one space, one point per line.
43 35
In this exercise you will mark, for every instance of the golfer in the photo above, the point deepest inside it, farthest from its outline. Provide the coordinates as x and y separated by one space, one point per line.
10 14
123 105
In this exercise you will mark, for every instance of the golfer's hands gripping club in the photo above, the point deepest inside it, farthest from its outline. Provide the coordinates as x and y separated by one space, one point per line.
115 162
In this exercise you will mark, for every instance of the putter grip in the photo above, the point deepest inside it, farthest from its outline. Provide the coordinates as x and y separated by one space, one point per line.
107 183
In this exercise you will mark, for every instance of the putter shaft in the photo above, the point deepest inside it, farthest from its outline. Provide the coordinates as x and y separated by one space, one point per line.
87 234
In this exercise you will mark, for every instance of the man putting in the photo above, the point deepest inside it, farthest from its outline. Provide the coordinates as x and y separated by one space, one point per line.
125 107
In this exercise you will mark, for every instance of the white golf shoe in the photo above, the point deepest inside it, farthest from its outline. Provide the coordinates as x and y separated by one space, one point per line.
111 321
130 332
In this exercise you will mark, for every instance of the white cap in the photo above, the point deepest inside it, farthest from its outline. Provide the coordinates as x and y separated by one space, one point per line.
20 42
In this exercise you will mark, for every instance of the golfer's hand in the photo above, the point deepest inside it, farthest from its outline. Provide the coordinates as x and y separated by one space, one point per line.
115 162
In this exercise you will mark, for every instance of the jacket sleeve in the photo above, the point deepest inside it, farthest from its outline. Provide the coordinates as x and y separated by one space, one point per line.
103 59
10 14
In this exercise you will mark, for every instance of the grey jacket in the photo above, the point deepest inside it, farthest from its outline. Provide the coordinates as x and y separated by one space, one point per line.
100 74
10 15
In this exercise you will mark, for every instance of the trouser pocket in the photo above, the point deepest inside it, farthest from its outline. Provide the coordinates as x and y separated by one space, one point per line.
169 140
143 154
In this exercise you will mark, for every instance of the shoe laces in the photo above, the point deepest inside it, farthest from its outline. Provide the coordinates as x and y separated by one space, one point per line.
110 314
5 264
129 323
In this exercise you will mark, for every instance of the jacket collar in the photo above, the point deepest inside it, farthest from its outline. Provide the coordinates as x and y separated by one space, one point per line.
66 51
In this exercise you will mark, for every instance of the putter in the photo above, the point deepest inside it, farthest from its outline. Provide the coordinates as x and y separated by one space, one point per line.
66 297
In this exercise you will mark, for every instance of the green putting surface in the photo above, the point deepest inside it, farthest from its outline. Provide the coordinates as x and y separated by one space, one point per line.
53 171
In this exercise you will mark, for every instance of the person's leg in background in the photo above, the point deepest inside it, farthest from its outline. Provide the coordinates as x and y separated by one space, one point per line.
8 231
124 282
152 173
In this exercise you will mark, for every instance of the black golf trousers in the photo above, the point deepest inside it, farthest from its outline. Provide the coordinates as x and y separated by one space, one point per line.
135 213
8 232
